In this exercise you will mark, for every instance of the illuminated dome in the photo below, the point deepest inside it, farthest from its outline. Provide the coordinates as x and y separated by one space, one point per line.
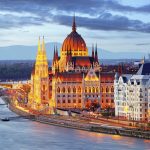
75 43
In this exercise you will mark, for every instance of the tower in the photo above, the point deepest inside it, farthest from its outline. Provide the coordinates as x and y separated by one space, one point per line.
93 51
40 79
96 54
55 62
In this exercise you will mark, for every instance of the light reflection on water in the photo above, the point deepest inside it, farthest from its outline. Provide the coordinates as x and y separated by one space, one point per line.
27 135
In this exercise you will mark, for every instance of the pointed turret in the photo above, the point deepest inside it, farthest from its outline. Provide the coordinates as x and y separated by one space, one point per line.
74 24
54 56
39 45
41 59
43 45
44 52
39 50
40 86
93 51
96 54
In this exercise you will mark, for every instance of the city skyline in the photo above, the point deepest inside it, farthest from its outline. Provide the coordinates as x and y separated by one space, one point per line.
74 74
114 25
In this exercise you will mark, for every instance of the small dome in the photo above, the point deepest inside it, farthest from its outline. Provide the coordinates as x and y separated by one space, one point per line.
75 43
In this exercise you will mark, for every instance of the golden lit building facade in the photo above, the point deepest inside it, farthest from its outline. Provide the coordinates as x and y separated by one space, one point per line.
39 94
73 81
77 89
75 75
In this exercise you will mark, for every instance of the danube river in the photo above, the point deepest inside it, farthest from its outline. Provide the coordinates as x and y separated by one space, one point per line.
22 134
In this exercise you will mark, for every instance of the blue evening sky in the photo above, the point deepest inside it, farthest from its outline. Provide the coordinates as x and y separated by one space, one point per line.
115 25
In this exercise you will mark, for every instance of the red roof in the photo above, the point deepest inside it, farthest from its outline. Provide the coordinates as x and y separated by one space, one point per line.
70 77
85 61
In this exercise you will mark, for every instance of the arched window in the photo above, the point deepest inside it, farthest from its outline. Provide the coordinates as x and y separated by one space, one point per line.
58 90
69 90
93 90
97 90
79 101
89 90
74 90
102 90
63 89
112 89
107 89
85 89
43 87
79 89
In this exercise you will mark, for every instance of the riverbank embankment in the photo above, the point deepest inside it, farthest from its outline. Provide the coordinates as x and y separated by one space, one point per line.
82 124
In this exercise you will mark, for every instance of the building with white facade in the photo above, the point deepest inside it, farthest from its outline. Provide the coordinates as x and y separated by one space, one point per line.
132 95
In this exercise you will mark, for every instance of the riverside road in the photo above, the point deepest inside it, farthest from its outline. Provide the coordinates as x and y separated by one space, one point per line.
23 134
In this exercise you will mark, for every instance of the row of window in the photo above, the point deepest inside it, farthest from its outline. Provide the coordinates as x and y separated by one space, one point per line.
69 95
91 90
69 101
107 95
86 96
107 101
107 89
69 90
87 90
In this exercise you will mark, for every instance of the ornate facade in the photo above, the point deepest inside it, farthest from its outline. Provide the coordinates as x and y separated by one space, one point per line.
132 95
39 94
107 90
74 77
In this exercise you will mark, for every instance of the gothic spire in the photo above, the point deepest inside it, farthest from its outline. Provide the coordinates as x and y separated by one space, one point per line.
39 45
43 45
54 55
74 24
92 50
96 54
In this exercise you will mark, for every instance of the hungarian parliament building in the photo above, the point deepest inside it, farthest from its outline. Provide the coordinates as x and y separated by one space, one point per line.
74 80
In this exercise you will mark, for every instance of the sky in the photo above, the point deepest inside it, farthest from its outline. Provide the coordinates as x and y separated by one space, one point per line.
115 25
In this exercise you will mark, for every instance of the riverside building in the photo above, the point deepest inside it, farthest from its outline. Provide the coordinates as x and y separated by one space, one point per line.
73 81
132 94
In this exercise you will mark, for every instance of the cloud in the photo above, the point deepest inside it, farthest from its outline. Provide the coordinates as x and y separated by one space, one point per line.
106 21
10 21
37 12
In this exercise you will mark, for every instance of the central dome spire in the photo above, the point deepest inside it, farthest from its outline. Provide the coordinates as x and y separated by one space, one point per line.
74 24
74 43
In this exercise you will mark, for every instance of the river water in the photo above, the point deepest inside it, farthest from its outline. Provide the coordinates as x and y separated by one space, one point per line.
22 134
